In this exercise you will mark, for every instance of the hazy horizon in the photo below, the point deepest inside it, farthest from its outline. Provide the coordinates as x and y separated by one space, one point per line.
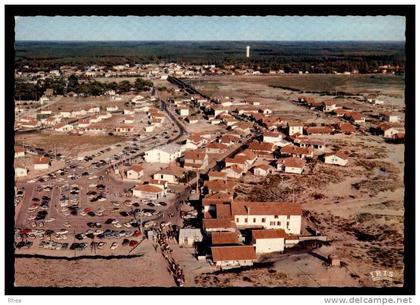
214 28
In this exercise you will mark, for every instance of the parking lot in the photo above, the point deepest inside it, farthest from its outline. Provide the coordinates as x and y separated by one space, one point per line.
81 208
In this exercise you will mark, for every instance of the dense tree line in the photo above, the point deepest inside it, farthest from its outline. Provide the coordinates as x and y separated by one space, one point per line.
61 86
320 57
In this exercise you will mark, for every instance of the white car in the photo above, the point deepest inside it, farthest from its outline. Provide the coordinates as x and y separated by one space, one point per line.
117 225
114 245
50 220
67 224
93 177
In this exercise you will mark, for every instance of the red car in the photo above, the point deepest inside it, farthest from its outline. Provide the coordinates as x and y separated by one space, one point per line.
136 233
133 243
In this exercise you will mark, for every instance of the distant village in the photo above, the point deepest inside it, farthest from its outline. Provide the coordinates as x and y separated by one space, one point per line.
251 142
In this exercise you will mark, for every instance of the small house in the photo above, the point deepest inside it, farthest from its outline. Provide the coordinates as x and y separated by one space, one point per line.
336 158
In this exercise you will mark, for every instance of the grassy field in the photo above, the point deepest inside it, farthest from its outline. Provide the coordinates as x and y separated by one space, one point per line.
318 83
67 142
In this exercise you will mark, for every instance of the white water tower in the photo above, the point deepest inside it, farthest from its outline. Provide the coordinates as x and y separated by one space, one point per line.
248 49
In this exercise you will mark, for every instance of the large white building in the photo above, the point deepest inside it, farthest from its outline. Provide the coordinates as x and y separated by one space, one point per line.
163 154
268 215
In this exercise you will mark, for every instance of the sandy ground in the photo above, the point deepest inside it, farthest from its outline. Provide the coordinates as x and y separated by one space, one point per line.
126 272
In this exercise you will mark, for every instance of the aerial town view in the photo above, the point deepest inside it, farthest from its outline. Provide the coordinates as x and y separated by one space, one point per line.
216 162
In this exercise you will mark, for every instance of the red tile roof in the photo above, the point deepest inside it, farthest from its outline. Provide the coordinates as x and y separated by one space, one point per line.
318 129
339 154
223 210
137 167
265 208
218 198
218 223
194 155
148 188
233 253
224 238
19 149
293 162
261 147
42 160
264 234
292 149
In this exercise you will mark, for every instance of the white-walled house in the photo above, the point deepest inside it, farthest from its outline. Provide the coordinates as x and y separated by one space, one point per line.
195 159
294 128
337 158
63 127
188 237
41 163
170 174
267 241
291 165
124 128
112 108
135 172
19 152
184 111
268 215
163 154
21 172
148 192
262 170
272 137
329 106
233 256
390 117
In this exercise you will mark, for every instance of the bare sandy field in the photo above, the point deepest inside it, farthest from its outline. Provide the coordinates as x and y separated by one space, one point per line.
147 270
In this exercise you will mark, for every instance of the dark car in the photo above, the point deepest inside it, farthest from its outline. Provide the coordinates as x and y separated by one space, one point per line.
109 221
125 242
124 214
91 214
78 236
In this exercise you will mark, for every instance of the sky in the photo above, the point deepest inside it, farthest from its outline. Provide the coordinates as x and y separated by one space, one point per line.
172 28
